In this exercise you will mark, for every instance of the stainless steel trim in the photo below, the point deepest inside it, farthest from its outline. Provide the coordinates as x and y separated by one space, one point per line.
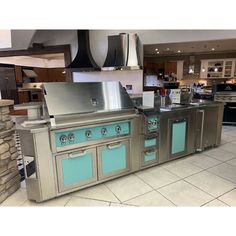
200 148
113 146
77 154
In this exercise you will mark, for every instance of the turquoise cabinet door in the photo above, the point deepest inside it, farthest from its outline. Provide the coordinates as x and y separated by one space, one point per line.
149 157
179 131
113 158
76 169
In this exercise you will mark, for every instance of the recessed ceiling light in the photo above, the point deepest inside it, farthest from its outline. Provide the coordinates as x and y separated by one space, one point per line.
178 51
167 49
213 49
156 49
158 52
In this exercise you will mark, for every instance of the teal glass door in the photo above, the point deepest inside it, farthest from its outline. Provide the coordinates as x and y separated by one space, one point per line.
178 139
76 169
113 159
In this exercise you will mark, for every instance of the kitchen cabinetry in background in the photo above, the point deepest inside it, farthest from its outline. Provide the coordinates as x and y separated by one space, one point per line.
50 74
218 68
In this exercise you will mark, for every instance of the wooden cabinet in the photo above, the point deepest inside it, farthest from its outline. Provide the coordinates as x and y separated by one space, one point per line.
18 74
23 96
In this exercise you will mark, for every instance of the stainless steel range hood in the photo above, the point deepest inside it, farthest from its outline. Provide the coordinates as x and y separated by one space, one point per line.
123 53
83 60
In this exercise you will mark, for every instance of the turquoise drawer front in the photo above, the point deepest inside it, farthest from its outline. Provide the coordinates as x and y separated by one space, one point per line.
96 134
150 142
78 169
150 157
114 159
178 137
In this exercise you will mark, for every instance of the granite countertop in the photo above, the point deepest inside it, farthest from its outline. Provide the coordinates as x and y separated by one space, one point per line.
6 102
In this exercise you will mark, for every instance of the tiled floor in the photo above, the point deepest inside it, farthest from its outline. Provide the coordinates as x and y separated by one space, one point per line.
205 179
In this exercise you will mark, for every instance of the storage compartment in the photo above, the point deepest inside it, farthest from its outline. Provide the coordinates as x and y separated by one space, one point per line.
178 142
113 159
149 157
76 169
149 142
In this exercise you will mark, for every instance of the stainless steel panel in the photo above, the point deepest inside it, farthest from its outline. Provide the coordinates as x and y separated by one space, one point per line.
79 98
133 50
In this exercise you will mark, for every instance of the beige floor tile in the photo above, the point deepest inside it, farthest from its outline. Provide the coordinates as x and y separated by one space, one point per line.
225 138
210 183
120 205
230 147
232 133
232 162
220 154
225 171
150 199
182 193
16 199
82 202
98 192
215 203
202 161
182 168
229 198
157 177
128 187
56 202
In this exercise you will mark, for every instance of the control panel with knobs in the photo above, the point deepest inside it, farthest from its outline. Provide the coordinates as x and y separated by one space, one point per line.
87 134
118 129
63 139
71 137
103 131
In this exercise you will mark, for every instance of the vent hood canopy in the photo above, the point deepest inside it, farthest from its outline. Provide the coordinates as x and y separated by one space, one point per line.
83 60
123 52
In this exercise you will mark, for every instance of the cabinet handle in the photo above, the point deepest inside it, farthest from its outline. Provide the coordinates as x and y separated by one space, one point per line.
77 154
113 146
232 107
150 153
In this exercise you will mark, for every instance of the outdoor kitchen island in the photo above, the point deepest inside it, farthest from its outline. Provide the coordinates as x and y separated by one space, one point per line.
91 132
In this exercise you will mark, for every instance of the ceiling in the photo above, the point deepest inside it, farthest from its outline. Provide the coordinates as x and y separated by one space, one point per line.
189 47
52 60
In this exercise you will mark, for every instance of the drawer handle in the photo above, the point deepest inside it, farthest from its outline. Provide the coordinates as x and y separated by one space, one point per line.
232 107
77 154
150 153
113 146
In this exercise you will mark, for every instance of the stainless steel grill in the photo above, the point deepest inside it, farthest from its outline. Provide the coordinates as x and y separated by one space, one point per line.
89 138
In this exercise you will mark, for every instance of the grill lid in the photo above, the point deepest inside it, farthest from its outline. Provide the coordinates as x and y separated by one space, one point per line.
65 98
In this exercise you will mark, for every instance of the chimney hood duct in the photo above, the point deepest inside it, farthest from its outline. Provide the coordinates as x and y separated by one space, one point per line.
83 60
122 53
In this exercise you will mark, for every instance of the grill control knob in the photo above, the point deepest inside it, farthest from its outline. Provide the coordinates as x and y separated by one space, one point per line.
71 137
63 139
88 133
103 131
154 123
118 129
